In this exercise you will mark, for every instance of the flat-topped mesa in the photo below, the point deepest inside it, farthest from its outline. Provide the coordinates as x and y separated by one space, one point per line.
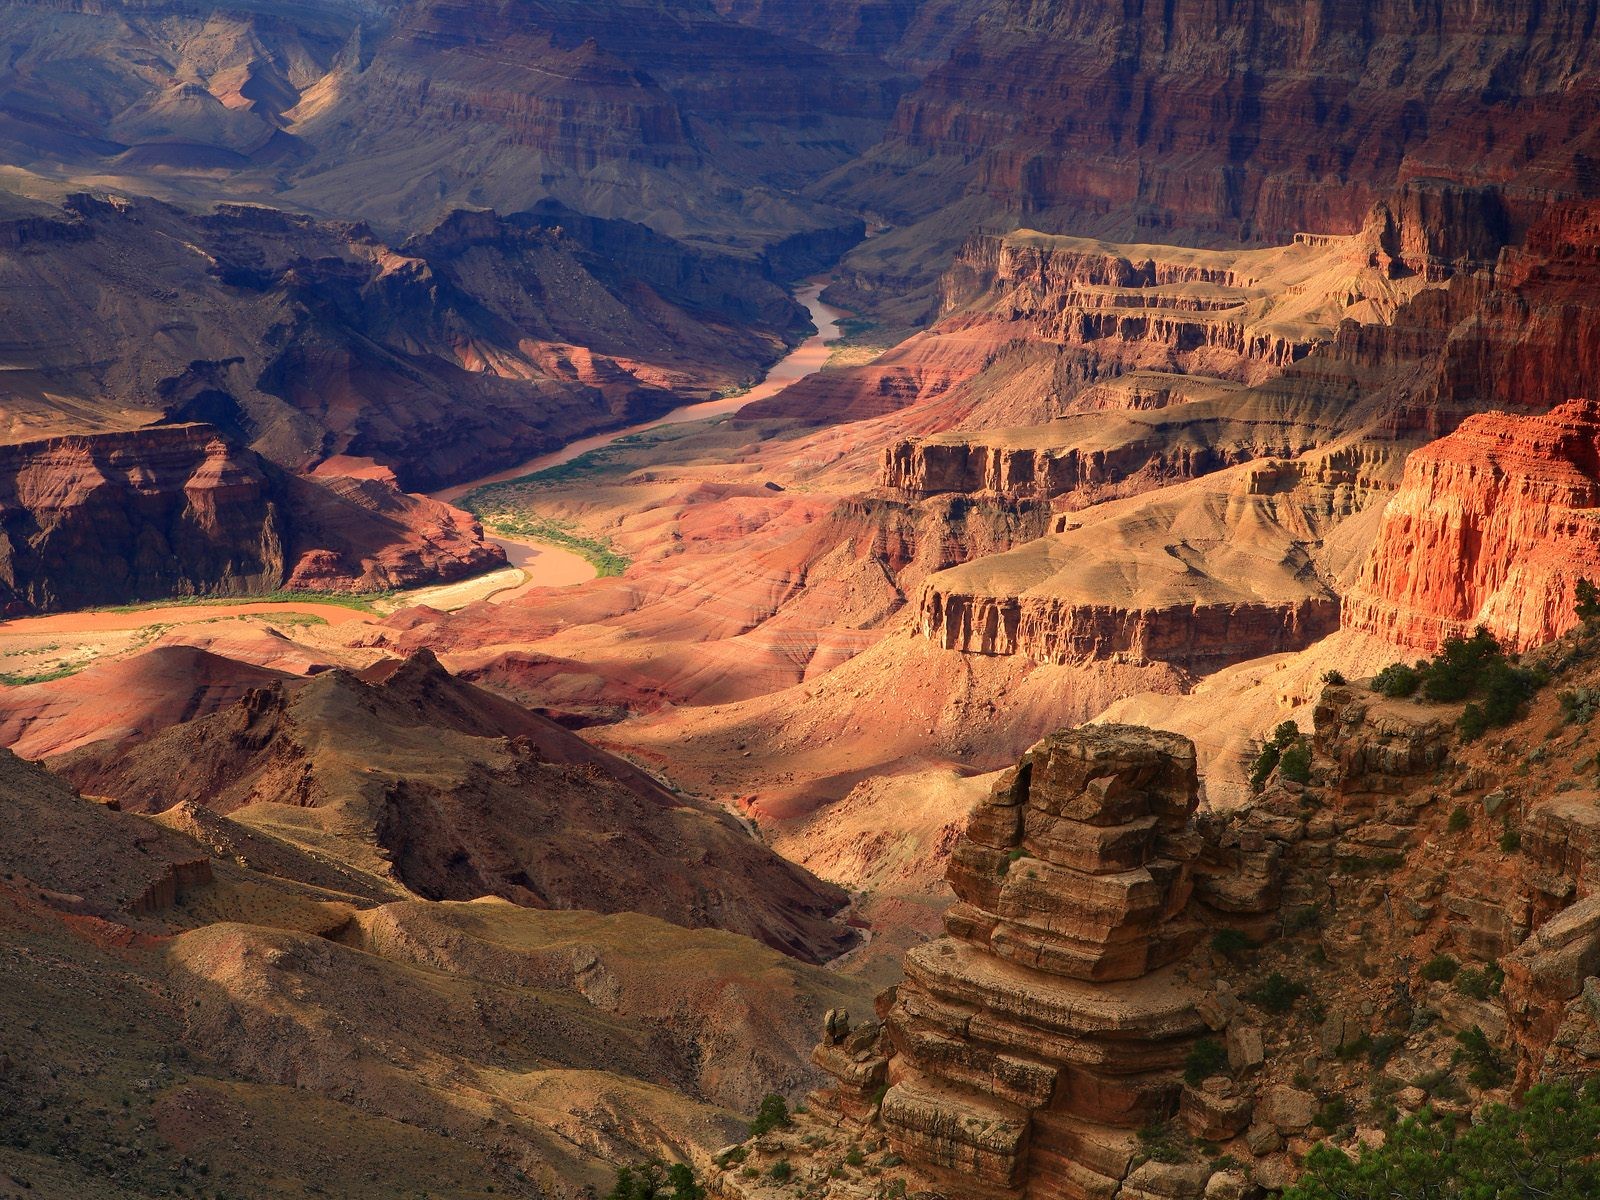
1051 1016
1493 525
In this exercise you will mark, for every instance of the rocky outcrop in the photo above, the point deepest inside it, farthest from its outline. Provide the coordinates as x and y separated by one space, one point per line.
1493 525
351 528
175 510
1200 636
112 517
1050 1016
917 467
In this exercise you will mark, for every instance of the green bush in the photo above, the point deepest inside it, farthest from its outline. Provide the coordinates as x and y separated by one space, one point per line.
1397 681
772 1113
654 1181
1480 983
1277 994
1208 1057
1441 968
1295 763
1588 597
1159 1142
1383 1049
1231 943
1459 819
780 1171
1510 840
1544 1150
1456 671
1485 1067
1286 742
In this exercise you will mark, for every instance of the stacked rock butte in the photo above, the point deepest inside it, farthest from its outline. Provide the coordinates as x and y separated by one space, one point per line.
1026 1044
1492 525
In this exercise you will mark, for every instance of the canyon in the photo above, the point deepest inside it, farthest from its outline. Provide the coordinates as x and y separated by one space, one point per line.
551 554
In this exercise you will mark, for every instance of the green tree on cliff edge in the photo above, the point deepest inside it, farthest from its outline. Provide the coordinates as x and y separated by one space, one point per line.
1545 1150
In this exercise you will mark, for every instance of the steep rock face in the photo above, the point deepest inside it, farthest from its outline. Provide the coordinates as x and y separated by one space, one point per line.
1252 122
111 517
175 510
1201 636
1492 526
1049 1016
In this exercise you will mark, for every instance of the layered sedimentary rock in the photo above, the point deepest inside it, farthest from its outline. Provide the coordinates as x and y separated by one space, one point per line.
175 510
1493 525
110 517
1254 122
689 120
1198 576
1051 1006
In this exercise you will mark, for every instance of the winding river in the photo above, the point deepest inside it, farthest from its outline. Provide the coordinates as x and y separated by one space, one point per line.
541 565
545 565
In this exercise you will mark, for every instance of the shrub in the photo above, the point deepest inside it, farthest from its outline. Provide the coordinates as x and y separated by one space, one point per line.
653 1181
1485 1068
1286 742
1231 942
1510 840
1579 705
1588 597
1208 1057
1334 678
1335 1111
1459 819
1383 1048
1480 983
1441 968
1397 681
854 1157
772 1113
780 1171
1545 1149
1295 763
1160 1143
1298 920
1456 671
1277 993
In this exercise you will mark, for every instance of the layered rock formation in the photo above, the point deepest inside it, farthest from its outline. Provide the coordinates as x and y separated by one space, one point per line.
1051 1010
1145 581
400 115
1252 123
1361 916
113 517
175 510
1493 526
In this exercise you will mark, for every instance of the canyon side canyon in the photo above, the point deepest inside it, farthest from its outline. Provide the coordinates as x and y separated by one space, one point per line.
854 600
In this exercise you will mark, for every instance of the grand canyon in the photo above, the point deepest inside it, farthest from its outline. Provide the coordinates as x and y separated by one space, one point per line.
862 600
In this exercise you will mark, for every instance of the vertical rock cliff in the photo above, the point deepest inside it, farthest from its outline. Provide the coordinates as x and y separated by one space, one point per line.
1492 525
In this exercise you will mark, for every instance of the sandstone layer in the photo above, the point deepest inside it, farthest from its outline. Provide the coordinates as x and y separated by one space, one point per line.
1492 526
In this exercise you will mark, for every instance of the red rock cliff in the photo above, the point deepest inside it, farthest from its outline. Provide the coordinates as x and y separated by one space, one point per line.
1492 525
